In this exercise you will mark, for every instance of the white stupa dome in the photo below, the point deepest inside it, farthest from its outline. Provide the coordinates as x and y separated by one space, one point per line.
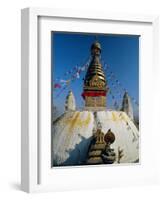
73 131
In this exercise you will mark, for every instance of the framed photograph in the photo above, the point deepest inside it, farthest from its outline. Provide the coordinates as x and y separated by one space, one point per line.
88 100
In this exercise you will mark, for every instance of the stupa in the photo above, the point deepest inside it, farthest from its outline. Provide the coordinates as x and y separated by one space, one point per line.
70 103
95 87
127 106
96 148
73 132
100 151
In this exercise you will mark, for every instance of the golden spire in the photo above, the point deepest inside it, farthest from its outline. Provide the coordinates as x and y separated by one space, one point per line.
95 82
95 77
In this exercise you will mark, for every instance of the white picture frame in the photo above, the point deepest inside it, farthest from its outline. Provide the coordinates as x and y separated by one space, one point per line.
36 172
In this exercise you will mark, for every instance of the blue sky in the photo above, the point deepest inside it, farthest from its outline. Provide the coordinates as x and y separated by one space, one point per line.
120 52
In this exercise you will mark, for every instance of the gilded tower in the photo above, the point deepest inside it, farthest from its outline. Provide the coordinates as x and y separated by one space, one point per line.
95 86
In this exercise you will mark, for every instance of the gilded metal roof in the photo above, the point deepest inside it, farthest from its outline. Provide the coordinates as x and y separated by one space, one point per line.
95 69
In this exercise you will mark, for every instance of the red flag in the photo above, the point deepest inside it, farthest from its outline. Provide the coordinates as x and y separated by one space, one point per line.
57 85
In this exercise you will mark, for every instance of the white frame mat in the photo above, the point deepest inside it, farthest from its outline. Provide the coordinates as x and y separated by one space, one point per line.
36 171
